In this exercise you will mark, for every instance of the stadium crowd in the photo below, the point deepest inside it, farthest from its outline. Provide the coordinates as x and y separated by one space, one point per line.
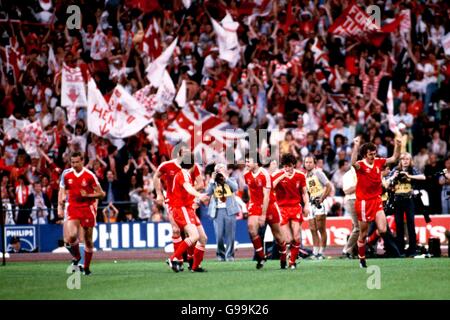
313 92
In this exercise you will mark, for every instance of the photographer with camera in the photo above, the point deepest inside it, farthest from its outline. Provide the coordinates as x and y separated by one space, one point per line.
444 181
223 208
319 187
402 180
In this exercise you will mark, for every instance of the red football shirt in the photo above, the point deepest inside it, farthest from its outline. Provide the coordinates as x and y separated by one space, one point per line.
369 185
256 183
168 171
289 190
74 182
180 197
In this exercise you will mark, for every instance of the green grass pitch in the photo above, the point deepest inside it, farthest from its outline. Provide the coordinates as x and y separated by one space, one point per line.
317 280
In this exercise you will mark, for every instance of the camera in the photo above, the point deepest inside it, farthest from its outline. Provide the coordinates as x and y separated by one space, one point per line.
316 203
220 179
402 177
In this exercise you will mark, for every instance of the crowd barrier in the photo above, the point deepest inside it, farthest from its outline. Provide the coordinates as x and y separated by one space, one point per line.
148 235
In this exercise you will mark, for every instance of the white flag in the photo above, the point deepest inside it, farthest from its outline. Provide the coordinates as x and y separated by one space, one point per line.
166 93
53 66
130 115
155 70
181 95
100 117
390 106
12 126
72 87
227 39
187 3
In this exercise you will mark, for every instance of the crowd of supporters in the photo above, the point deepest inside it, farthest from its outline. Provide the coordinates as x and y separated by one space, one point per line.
279 84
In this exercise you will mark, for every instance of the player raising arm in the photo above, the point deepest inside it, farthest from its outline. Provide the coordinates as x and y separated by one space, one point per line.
368 204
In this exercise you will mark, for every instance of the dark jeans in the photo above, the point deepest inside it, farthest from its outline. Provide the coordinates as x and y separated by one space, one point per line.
405 205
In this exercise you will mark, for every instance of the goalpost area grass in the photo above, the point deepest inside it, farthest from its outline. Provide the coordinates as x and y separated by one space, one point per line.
154 280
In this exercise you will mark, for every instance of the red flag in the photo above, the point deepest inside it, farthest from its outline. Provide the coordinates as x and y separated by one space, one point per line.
143 5
356 23
152 40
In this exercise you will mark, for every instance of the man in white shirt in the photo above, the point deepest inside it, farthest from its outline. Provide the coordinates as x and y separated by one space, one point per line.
349 187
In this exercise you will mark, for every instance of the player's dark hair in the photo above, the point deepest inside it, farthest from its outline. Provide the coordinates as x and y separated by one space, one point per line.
288 159
369 146
188 161
76 154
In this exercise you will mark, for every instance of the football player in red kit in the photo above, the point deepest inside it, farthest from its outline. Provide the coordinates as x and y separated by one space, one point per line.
183 199
290 190
263 208
166 172
368 204
82 189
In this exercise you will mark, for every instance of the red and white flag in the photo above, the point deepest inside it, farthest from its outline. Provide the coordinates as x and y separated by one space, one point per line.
258 8
227 39
356 23
130 116
151 44
147 100
155 70
99 46
206 133
100 117
72 87
32 136
122 117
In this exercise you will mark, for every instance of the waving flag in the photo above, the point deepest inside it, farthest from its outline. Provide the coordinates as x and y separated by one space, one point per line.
181 95
12 126
147 100
151 44
227 39
206 133
155 70
72 87
32 136
356 23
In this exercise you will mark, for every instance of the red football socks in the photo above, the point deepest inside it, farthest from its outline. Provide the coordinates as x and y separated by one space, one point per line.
199 252
182 247
361 249
257 244
295 248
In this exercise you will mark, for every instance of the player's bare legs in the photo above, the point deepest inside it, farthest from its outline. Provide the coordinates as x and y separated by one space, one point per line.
71 228
322 228
279 238
287 232
315 235
89 249
253 228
